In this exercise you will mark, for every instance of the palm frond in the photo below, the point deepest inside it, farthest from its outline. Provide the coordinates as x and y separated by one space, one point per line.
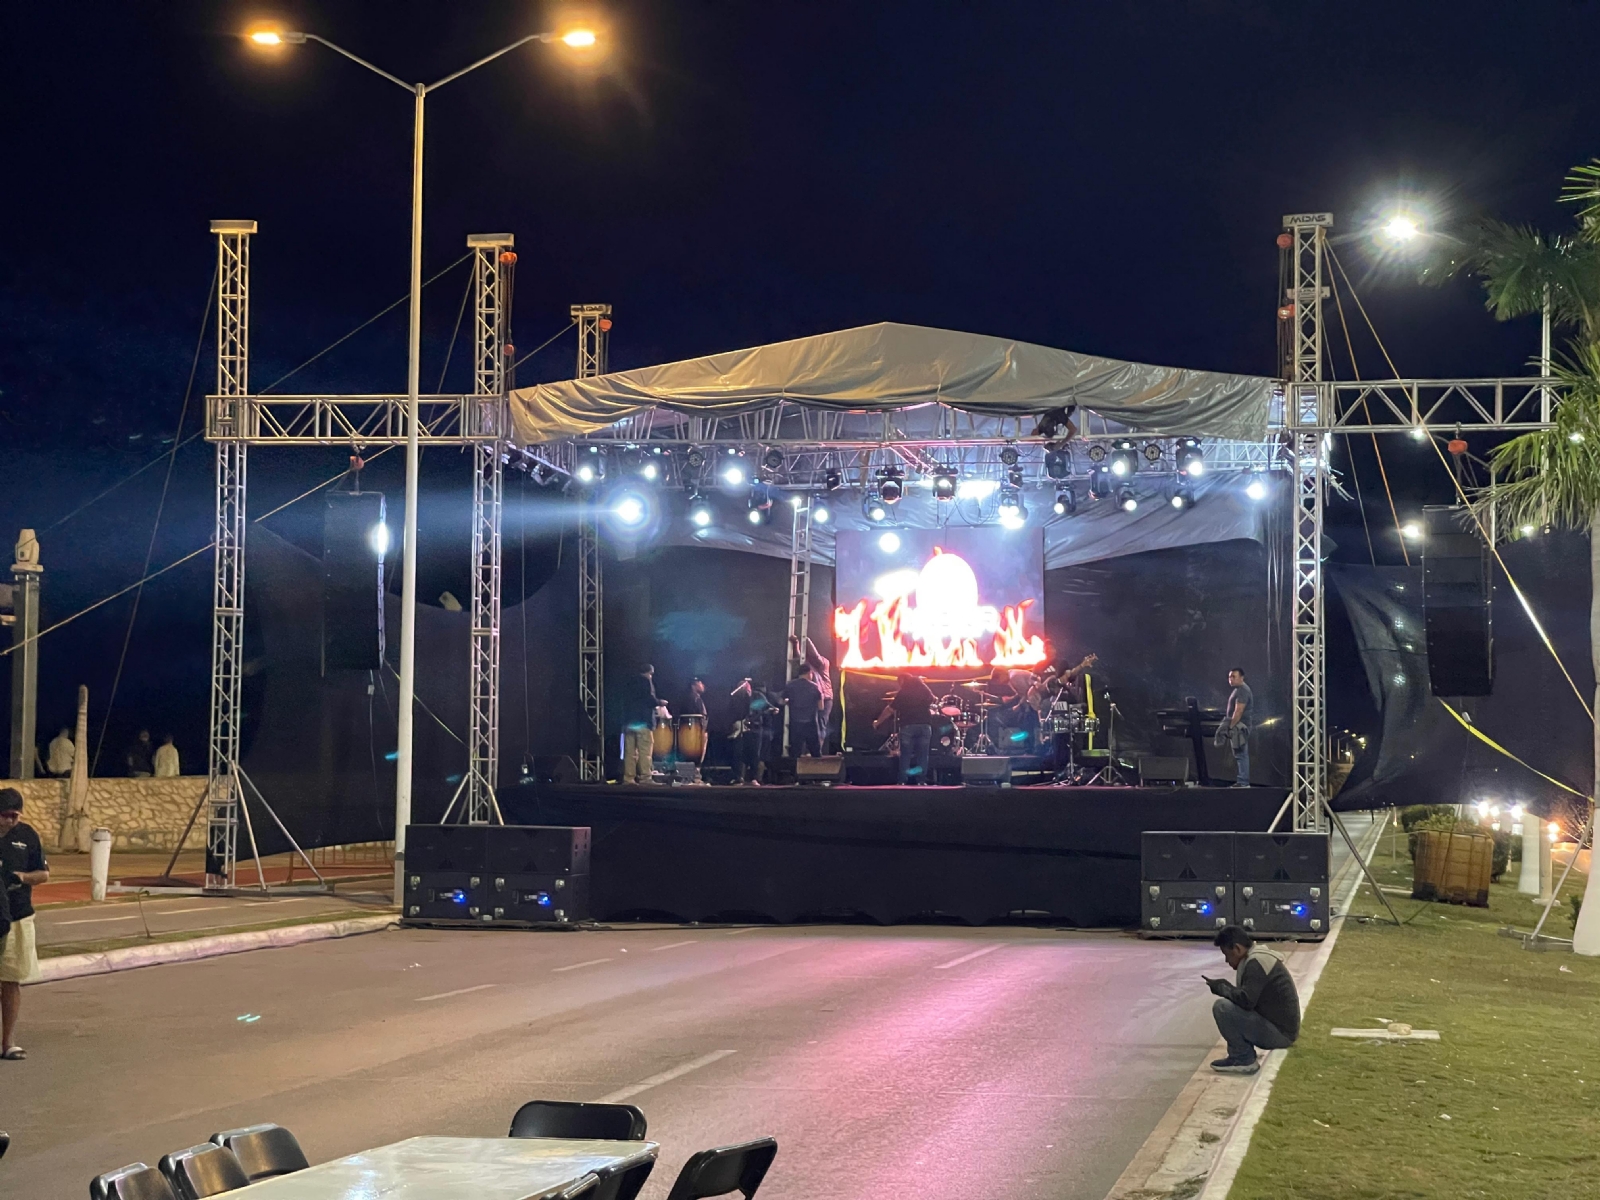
1582 186
1552 477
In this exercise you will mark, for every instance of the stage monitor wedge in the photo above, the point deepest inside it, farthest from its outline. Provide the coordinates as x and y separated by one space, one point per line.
354 542
1457 604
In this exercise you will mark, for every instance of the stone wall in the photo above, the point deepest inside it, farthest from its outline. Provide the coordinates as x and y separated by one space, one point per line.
142 814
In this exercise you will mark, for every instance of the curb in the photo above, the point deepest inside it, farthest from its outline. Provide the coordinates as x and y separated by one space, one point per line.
1201 1140
76 966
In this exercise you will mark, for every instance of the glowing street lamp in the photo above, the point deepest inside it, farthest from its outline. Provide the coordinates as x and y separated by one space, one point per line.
1401 228
270 38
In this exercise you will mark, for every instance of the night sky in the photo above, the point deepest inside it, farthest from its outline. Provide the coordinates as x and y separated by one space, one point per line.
1103 178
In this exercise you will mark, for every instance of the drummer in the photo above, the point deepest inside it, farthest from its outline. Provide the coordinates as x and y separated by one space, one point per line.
694 700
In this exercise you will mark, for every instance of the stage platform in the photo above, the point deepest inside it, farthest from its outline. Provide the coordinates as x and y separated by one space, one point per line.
888 854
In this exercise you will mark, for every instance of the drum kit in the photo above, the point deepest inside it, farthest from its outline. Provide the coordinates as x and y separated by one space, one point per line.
686 735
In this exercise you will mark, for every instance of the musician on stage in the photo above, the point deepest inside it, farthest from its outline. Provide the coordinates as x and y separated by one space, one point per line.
1070 683
751 735
694 700
913 703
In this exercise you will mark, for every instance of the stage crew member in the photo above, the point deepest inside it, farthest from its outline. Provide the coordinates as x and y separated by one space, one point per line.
1235 725
1260 1009
820 668
639 706
913 704
803 698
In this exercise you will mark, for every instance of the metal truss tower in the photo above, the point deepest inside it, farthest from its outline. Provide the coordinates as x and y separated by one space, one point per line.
1308 775
594 328
493 265
230 413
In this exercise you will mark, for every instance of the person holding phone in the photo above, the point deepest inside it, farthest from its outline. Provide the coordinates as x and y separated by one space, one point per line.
1260 1009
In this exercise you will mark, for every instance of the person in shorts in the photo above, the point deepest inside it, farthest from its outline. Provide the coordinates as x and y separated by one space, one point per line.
23 865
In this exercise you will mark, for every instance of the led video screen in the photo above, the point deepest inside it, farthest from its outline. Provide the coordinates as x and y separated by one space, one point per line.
958 599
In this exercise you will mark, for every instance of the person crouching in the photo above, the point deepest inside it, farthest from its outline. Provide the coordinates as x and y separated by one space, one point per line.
1259 1010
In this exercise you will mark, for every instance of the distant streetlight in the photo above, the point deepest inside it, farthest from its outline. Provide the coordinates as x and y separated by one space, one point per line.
1401 228
1411 531
270 37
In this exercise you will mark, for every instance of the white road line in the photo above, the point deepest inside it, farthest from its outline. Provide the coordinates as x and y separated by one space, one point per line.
593 962
956 962
673 945
644 1085
457 992
746 929
96 920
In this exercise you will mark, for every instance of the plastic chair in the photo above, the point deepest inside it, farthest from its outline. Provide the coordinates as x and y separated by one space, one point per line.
725 1169
264 1151
621 1182
570 1119
133 1182
203 1170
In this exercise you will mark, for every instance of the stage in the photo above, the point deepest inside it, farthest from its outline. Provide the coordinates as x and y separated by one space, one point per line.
888 854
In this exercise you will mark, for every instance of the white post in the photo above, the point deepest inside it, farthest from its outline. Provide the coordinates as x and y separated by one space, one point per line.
1532 835
99 863
1547 873
408 568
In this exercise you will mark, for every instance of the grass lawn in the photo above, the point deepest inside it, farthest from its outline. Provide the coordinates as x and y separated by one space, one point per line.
1505 1106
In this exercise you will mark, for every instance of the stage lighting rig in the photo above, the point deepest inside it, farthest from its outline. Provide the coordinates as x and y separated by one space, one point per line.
1097 454
1191 459
1153 452
1066 502
944 483
760 504
1100 486
1124 458
630 510
590 467
773 459
1014 477
696 457
1126 500
653 467
1058 463
820 513
1009 456
1183 498
874 509
1010 505
831 479
1257 488
890 485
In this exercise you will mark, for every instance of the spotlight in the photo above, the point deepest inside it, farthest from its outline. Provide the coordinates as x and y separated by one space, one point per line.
734 471
1419 433
874 509
889 542
1011 507
1257 489
772 459
1124 459
1014 477
1411 531
831 479
630 510
1009 456
1191 459
696 457
1183 498
651 471
1097 453
944 483
1152 452
699 512
976 489
1058 463
1126 500
1100 482
1066 502
378 539
820 512
760 504
591 466
758 516
890 485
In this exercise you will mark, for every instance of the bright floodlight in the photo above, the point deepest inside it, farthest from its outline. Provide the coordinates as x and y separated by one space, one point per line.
700 515
650 471
1257 489
267 37
889 543
1401 228
820 513
579 38
1418 433
584 473
733 474
630 511
378 539
1526 531
1411 531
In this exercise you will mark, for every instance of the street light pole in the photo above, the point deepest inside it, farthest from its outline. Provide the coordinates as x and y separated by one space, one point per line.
577 39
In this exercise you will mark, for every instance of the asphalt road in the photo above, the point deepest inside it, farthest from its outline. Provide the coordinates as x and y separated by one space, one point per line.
127 918
940 1063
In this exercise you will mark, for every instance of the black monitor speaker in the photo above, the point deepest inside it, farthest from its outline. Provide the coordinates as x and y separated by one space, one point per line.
355 540
1458 615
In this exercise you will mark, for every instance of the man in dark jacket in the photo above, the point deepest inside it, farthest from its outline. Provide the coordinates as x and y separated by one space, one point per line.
1259 1010
639 704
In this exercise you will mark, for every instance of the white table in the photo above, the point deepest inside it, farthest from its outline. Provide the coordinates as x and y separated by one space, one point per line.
444 1168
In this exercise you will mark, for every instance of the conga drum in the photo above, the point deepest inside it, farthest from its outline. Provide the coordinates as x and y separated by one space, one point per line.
661 736
691 737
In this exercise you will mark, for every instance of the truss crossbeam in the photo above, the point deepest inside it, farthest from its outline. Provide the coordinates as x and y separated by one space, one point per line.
376 420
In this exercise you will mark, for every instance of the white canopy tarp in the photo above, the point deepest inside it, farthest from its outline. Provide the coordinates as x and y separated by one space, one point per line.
888 366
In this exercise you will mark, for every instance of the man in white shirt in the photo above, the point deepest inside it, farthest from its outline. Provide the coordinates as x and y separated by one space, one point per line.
166 760
61 755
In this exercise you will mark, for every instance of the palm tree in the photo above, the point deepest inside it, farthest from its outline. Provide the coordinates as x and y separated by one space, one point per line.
1551 478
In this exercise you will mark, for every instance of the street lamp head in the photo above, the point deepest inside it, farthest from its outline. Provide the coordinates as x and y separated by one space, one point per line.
1401 228
579 39
271 35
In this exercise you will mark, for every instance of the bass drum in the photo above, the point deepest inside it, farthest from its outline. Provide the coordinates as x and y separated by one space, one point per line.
661 737
691 737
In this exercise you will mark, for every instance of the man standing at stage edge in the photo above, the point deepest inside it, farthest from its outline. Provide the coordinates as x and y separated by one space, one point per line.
1260 1009
1235 725
820 667
639 705
22 866
803 698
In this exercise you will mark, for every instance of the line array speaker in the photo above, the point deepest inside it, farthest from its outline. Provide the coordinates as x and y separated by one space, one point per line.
354 542
1457 608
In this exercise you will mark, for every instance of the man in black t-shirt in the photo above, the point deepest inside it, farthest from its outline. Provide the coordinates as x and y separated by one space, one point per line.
804 700
23 865
913 705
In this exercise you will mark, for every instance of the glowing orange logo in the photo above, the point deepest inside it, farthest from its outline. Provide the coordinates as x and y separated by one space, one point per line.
932 618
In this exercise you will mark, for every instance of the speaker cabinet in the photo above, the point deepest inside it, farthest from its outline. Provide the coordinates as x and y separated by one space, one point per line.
1160 768
1185 906
1282 857
1458 613
1178 855
828 769
517 875
354 542
1286 909
986 769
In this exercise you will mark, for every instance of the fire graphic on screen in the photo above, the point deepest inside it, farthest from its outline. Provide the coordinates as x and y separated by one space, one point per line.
932 618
